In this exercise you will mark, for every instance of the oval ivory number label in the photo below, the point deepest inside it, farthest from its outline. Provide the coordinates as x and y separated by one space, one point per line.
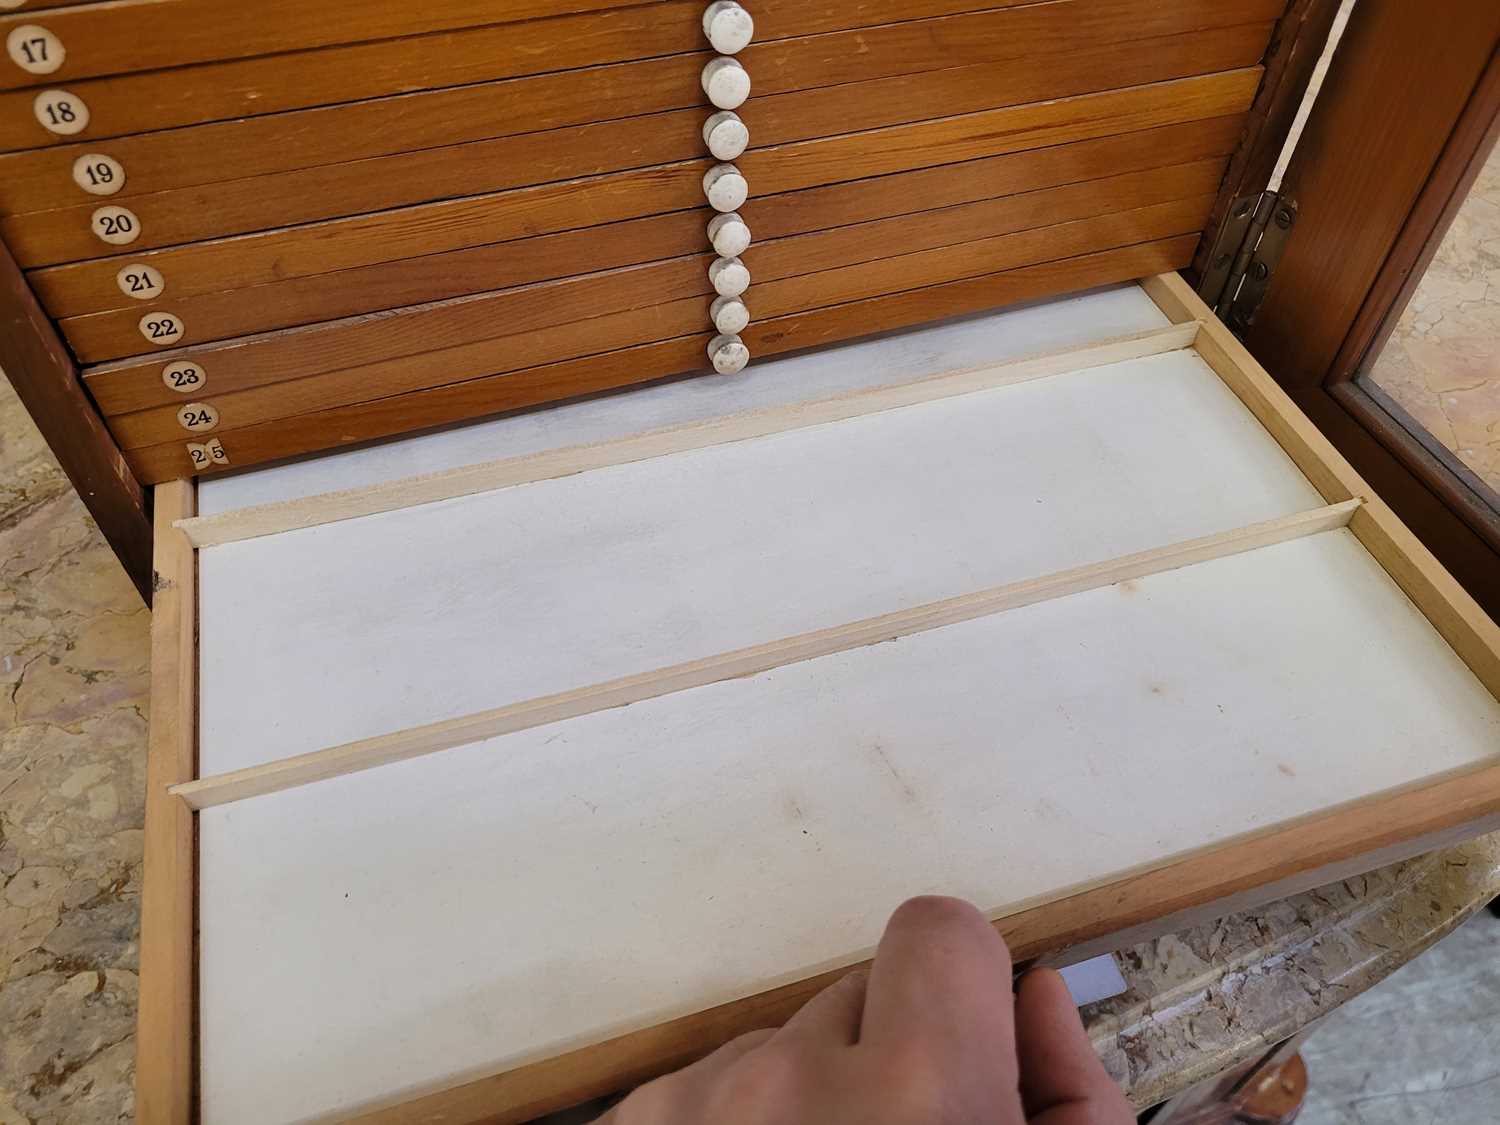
35 49
141 281
98 174
198 417
161 329
203 456
61 112
119 226
184 376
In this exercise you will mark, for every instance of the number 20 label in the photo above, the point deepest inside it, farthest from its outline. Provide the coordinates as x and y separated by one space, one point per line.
119 226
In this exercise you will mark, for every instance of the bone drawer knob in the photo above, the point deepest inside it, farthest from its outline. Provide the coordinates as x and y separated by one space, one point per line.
725 188
729 235
729 354
730 315
726 135
728 26
729 276
726 82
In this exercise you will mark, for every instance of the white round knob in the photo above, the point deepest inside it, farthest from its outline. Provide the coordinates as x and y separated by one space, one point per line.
729 354
728 27
726 82
730 315
725 188
729 276
726 135
729 234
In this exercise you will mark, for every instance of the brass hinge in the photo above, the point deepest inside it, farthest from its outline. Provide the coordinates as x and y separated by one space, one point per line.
1245 254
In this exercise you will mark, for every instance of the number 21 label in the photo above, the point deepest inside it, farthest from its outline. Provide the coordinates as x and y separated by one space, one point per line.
141 281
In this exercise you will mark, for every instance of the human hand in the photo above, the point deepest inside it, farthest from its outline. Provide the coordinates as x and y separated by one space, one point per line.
931 1035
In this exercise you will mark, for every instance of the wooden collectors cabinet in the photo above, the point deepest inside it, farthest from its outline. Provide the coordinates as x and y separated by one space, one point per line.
1154 646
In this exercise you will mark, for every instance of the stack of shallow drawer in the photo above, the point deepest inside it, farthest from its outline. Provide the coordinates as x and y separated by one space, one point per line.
273 228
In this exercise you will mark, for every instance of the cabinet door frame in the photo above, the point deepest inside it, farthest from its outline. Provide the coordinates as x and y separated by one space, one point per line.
1408 114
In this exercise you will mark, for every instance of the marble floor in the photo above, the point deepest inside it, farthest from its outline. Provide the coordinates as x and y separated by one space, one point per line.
1420 1048
73 684
1442 364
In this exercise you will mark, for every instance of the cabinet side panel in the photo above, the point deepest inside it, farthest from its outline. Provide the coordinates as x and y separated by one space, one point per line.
42 372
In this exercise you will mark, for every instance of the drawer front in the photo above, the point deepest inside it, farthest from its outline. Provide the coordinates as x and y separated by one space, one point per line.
275 230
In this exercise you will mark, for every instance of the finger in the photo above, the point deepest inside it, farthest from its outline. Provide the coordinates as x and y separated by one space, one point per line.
1062 1080
659 1100
831 1017
942 974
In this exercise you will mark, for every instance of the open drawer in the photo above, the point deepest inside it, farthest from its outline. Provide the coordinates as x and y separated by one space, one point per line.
517 781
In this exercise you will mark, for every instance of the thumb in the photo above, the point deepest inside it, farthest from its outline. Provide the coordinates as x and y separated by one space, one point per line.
1062 1080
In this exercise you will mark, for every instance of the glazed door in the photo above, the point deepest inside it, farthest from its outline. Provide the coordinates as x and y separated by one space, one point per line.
1381 315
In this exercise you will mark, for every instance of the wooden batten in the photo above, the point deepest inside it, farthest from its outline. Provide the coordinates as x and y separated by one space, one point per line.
631 366
1451 609
166 1055
272 519
405 745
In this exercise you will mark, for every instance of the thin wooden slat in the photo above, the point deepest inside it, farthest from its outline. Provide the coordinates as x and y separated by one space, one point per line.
41 180
272 391
135 35
111 335
512 164
165 1055
138 103
1450 608
407 263
401 746
274 518
476 398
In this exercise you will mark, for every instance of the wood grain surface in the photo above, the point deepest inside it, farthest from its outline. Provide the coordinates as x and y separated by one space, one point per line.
880 90
410 254
603 250
476 398
168 218
137 103
311 369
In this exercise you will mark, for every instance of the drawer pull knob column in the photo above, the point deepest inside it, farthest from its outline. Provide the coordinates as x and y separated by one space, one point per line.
725 187
729 354
729 234
729 26
730 29
730 315
726 82
729 276
726 135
